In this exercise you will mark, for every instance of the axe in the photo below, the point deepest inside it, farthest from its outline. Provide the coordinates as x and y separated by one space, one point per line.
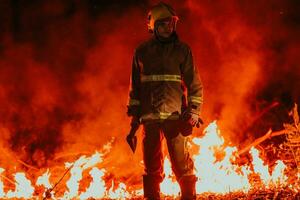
131 137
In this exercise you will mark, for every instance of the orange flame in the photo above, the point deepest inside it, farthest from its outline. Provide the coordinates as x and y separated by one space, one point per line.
23 187
221 176
169 186
277 175
215 174
97 186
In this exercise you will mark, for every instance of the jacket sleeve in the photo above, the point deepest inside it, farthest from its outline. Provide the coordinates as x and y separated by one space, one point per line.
193 83
133 105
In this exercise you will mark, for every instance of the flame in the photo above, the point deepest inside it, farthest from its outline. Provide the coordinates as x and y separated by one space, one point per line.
76 170
43 180
119 193
97 187
1 184
169 186
220 175
213 167
278 175
23 189
214 175
263 170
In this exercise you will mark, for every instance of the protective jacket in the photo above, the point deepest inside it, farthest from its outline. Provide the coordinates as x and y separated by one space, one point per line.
161 70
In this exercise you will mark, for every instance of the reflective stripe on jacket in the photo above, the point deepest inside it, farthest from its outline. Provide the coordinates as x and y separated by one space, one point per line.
160 71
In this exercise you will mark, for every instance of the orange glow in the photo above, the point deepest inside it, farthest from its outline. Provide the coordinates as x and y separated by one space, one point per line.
169 186
23 187
64 76
215 174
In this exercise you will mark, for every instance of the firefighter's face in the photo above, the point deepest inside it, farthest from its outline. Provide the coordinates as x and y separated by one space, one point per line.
165 28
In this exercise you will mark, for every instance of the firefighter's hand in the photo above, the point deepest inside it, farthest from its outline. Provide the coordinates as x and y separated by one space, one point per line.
199 122
194 119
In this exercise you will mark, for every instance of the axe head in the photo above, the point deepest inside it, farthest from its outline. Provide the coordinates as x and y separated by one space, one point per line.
132 141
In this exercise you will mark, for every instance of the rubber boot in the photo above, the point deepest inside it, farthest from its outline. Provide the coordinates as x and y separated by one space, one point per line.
151 188
188 187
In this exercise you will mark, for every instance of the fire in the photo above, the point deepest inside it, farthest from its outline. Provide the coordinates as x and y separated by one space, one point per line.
119 193
97 186
215 173
23 187
1 185
169 186
263 170
76 170
221 176
43 180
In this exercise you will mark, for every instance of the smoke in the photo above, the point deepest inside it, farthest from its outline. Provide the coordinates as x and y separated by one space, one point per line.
245 52
65 65
64 76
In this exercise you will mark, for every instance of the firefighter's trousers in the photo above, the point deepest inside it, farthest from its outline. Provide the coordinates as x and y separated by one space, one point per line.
182 164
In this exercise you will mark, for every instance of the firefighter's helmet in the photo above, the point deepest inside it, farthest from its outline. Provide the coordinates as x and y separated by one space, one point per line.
161 11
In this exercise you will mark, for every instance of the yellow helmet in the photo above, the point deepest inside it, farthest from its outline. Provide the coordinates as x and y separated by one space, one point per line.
161 11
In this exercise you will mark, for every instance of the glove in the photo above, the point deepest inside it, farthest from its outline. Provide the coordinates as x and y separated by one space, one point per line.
199 122
192 117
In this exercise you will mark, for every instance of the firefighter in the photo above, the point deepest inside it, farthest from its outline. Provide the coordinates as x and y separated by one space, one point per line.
162 69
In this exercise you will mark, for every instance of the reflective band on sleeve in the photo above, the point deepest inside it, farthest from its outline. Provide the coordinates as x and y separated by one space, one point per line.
162 77
163 115
195 99
134 102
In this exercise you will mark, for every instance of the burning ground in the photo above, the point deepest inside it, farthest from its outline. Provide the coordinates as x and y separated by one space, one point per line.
64 76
